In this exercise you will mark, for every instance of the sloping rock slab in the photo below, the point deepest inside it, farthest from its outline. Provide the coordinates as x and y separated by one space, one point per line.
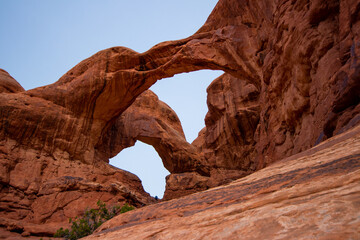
312 195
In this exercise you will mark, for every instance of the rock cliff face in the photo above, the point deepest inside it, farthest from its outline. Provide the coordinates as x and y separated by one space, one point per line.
291 80
299 82
307 62
41 189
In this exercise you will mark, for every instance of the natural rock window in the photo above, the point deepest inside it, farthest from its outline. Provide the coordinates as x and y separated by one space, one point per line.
186 94
141 122
143 161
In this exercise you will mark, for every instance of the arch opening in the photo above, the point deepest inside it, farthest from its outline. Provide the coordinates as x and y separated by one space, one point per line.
143 161
186 95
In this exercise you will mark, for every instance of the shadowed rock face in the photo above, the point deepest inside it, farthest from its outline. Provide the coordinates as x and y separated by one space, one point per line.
291 81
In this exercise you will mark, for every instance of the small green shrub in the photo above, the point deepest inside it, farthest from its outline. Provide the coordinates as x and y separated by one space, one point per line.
92 219
126 208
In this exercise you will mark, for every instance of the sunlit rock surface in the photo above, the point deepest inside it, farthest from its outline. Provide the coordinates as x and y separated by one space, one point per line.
312 195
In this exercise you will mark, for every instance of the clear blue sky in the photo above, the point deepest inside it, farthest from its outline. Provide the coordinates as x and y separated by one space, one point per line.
42 39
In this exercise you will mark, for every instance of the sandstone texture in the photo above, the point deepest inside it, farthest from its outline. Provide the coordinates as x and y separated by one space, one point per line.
299 84
8 84
291 81
305 64
40 190
153 122
312 195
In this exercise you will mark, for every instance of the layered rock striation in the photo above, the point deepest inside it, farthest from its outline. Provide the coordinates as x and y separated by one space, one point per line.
311 195
291 80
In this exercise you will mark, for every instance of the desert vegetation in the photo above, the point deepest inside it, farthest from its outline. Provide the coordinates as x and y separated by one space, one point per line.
90 221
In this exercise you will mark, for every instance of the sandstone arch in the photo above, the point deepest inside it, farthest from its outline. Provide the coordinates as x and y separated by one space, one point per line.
299 60
153 122
101 87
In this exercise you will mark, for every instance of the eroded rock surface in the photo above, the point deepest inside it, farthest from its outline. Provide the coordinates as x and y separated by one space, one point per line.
314 194
291 81
307 62
226 144
39 193
153 122
41 189
299 83
8 84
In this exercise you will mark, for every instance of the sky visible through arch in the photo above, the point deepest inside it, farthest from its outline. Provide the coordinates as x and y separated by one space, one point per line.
186 95
41 40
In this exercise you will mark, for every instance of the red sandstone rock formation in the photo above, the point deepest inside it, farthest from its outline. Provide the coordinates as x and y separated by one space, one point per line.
308 65
153 122
312 195
41 189
226 145
292 80
303 83
8 84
